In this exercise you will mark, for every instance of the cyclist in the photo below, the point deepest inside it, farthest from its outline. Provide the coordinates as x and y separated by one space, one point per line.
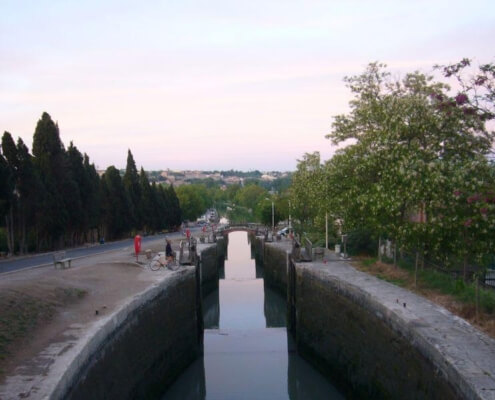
168 251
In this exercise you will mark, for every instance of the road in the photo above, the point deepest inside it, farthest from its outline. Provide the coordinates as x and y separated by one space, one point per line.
39 260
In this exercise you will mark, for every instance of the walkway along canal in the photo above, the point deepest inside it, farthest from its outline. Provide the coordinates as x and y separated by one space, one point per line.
248 353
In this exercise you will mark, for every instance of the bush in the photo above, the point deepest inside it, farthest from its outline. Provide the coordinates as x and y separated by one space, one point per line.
361 242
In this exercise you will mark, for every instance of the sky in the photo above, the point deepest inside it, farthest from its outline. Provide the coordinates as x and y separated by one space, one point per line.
217 84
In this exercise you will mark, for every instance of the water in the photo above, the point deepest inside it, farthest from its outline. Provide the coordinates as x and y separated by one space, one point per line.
248 353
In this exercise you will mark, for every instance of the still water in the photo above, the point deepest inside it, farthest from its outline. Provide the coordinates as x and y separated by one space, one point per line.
248 353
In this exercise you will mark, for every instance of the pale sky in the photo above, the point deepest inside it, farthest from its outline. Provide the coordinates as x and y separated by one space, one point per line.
214 84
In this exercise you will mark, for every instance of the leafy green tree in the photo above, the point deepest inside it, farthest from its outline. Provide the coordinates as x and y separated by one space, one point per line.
249 196
307 191
410 140
265 210
192 203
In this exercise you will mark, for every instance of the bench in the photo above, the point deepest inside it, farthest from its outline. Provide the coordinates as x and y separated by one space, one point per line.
60 258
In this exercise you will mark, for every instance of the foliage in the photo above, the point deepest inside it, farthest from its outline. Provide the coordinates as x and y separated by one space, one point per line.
194 200
308 190
249 196
415 168
55 197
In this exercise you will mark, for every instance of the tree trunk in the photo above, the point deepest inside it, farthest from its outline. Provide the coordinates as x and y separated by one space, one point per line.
464 270
380 248
395 254
9 222
416 270
477 300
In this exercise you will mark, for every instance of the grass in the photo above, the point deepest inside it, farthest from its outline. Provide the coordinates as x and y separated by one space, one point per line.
455 294
21 312
464 292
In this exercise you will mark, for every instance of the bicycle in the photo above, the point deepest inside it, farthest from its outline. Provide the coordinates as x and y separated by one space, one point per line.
160 261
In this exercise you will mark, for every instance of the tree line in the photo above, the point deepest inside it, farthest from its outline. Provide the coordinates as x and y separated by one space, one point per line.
418 166
54 197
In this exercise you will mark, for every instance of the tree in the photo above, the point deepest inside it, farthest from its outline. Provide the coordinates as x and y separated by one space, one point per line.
30 190
133 190
75 186
249 196
307 192
191 202
147 204
174 212
115 204
411 139
9 150
50 160
92 199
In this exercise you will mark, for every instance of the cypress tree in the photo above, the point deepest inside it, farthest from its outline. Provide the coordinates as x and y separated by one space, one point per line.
49 158
30 191
115 204
92 199
175 213
146 201
133 190
77 185
9 150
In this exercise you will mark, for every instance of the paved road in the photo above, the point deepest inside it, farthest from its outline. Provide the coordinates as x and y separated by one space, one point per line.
47 258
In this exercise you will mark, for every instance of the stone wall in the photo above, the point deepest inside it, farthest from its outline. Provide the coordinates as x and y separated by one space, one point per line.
142 348
349 338
209 266
275 260
378 340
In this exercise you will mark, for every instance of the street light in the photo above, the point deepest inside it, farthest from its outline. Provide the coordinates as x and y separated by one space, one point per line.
290 221
273 213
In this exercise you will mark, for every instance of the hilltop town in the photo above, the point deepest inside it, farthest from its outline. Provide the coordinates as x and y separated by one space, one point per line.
221 178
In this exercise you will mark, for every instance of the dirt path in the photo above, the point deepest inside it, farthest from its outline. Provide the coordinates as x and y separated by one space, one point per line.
39 306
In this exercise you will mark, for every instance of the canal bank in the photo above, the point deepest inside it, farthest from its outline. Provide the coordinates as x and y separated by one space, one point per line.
130 333
376 339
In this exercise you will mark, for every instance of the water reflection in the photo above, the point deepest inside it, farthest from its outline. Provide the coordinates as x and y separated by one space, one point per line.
275 309
247 351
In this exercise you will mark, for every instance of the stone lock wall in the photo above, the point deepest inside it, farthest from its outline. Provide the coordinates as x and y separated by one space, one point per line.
208 266
339 328
378 340
142 348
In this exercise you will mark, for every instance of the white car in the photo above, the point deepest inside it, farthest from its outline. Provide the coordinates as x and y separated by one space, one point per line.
283 231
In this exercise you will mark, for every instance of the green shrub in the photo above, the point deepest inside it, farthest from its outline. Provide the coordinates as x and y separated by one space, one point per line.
361 242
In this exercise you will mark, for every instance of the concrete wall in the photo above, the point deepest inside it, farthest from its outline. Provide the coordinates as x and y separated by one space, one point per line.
378 340
141 348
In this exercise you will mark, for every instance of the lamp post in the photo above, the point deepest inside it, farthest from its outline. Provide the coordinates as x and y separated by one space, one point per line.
290 221
273 213
273 216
